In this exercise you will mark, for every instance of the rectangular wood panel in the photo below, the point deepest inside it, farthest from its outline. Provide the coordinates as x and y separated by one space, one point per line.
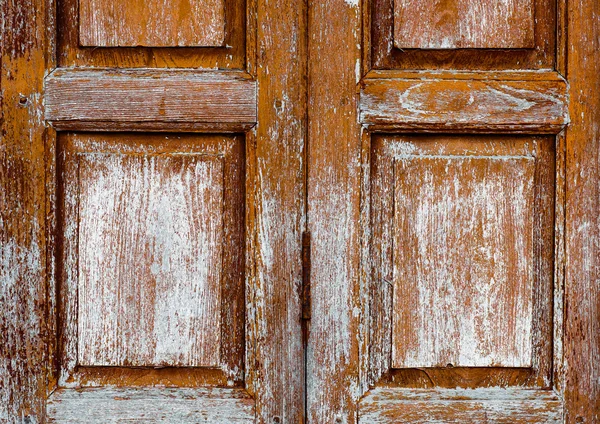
463 261
151 405
451 24
150 248
157 23
495 405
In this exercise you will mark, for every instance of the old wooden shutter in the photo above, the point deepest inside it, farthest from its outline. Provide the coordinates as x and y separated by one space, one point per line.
452 182
325 212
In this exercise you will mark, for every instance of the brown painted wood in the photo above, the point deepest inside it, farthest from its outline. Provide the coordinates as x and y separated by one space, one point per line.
381 53
151 405
443 24
238 39
150 237
149 100
274 343
23 262
334 178
463 265
582 244
154 23
116 323
485 103
442 406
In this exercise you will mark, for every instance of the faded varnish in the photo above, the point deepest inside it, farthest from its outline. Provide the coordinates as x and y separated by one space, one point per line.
463 245
149 267
154 23
450 24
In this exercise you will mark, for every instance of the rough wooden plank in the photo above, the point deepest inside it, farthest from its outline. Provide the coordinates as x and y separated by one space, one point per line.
443 24
23 47
150 405
150 238
582 261
160 23
445 104
278 146
447 405
334 182
463 265
80 99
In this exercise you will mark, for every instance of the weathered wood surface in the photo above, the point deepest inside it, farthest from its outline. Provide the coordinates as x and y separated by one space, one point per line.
459 406
230 54
446 104
443 24
381 253
463 265
582 261
150 405
161 23
147 99
159 289
150 237
24 59
275 354
333 214
382 28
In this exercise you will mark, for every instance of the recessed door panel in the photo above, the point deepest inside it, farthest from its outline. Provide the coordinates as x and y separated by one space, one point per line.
150 259
463 266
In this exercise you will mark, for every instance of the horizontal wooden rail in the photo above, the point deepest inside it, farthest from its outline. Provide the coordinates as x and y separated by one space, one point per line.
520 102
156 100
149 405
493 405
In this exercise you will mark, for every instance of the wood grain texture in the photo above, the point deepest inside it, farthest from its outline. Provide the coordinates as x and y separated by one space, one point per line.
334 181
463 266
582 260
154 23
447 104
454 406
274 344
23 263
150 237
150 405
126 99
381 253
451 24
229 54
382 53
160 275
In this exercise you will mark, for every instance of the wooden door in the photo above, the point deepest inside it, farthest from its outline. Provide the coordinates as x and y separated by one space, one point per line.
334 211
152 211
453 210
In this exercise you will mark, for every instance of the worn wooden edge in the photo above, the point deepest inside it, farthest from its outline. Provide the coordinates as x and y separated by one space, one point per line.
512 75
150 100
559 264
582 228
154 404
26 50
490 405
442 103
154 126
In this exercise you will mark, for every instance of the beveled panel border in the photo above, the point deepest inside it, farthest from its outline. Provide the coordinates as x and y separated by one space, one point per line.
380 53
230 149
